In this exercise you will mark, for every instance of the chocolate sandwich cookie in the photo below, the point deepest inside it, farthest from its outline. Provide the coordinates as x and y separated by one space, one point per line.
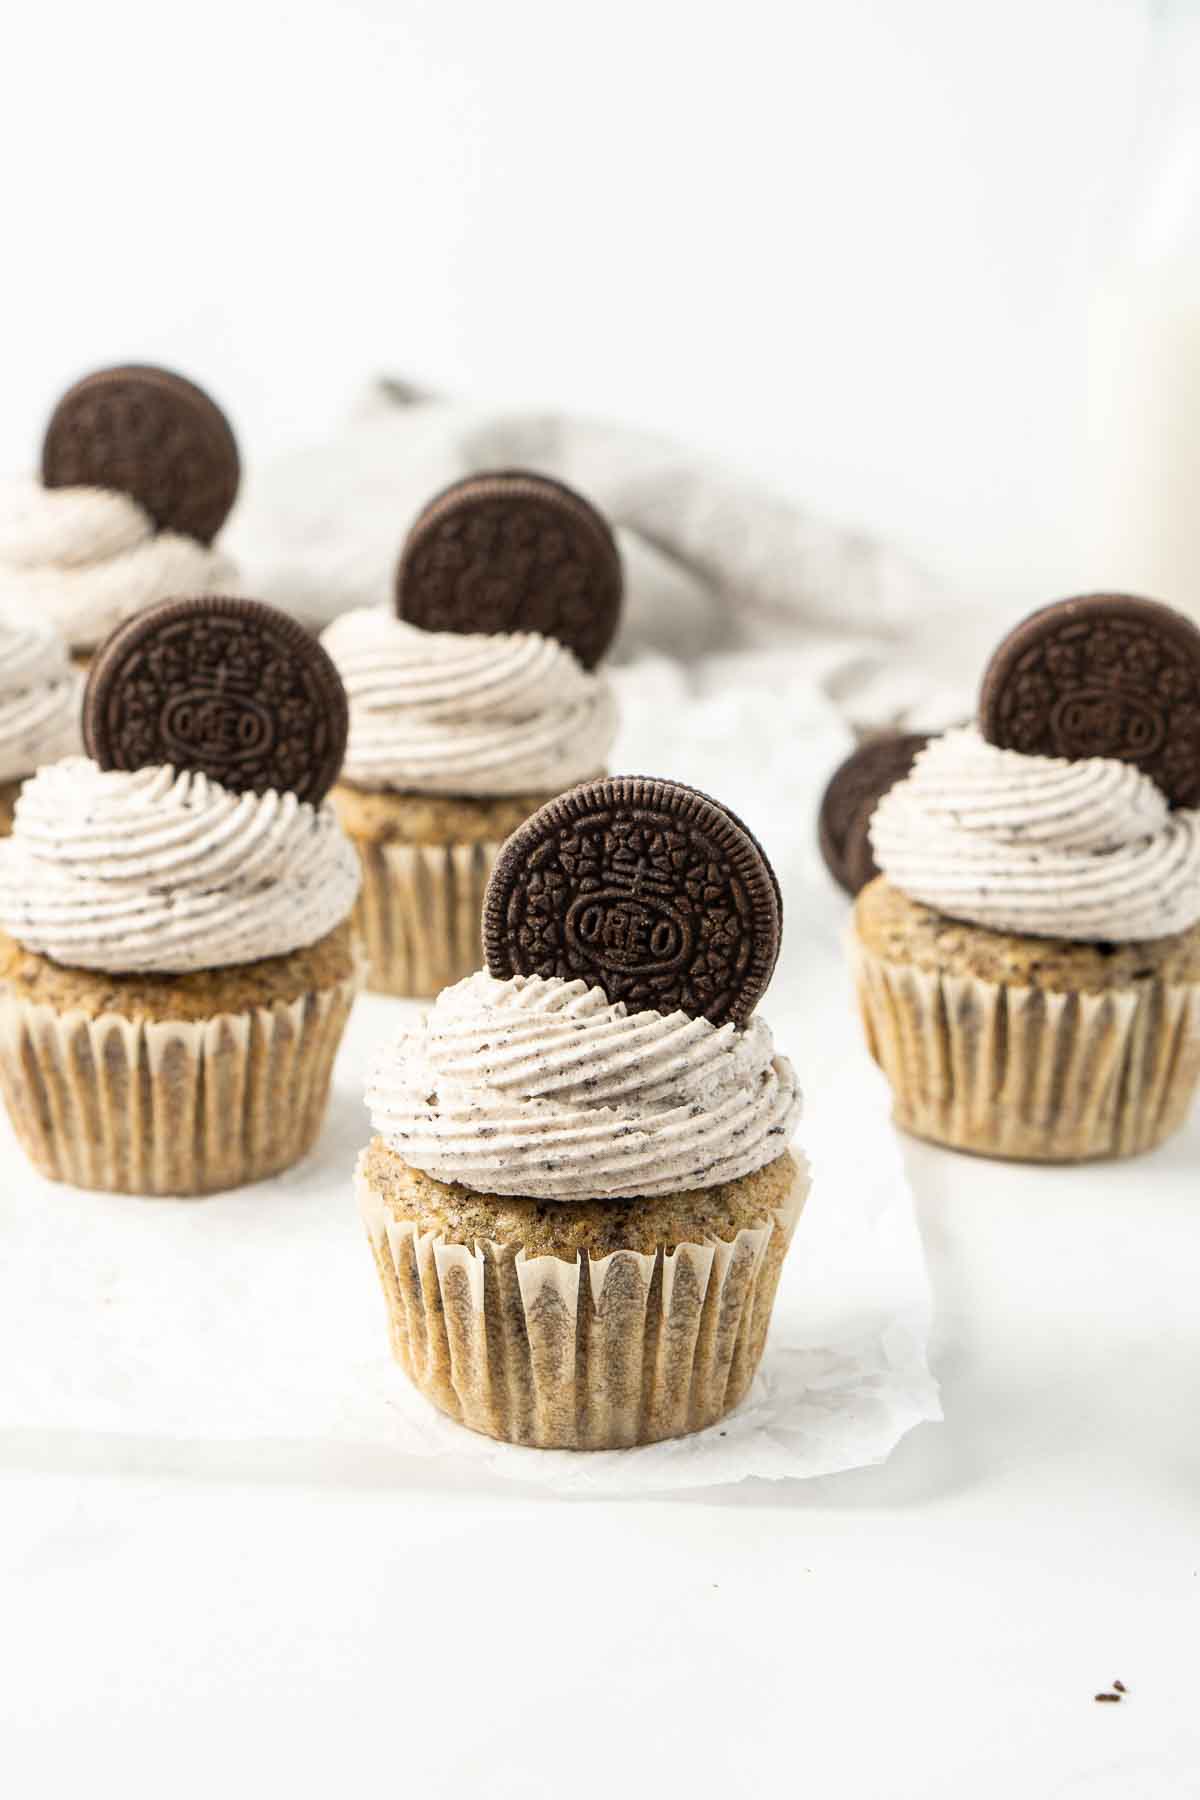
1103 675
645 888
231 688
152 435
854 791
513 551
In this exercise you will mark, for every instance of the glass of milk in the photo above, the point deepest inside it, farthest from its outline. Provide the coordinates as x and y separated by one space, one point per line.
1140 510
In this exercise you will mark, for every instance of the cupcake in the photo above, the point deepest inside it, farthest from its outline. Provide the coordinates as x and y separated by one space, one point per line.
177 962
39 704
470 707
580 1190
1028 961
139 471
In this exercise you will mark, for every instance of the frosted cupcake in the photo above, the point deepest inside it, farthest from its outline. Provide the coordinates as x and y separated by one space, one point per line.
1029 961
580 1192
177 963
470 710
40 695
139 471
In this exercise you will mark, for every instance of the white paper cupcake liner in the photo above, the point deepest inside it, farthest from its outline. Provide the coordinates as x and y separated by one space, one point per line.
1024 1073
172 1107
589 1355
419 914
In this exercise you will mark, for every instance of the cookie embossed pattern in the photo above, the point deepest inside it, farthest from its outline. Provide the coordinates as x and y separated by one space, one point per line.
513 551
225 686
646 887
1106 675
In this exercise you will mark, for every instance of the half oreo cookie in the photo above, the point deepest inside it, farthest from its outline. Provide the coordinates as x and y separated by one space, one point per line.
513 551
231 688
854 791
152 435
1103 675
648 889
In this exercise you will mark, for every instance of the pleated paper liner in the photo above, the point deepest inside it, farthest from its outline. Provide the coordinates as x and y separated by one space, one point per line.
595 1354
419 914
1025 1073
173 1107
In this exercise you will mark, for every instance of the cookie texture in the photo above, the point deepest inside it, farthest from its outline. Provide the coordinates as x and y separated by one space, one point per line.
153 435
513 551
648 889
854 791
229 687
1102 675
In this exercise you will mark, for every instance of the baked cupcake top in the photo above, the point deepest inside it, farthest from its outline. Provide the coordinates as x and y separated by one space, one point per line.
123 862
533 1078
483 682
139 469
473 714
1083 846
40 696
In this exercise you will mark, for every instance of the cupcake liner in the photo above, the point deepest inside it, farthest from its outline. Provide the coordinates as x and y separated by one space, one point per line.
419 914
171 1107
588 1355
1024 1073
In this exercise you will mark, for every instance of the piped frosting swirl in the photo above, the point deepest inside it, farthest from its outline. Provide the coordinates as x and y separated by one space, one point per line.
1039 845
40 696
542 1087
467 713
158 871
86 559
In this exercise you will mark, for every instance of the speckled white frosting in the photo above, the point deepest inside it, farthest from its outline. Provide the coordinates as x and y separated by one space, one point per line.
40 697
162 872
86 559
445 712
543 1088
1039 845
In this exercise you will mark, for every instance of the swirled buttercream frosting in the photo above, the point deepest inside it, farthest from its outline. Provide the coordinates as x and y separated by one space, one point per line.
40 695
1039 845
86 559
163 872
467 713
543 1088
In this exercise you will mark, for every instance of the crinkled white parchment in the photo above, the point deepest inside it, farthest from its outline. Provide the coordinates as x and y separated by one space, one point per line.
256 1316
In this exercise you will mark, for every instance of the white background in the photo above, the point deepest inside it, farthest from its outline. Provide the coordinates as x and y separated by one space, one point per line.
849 245
852 247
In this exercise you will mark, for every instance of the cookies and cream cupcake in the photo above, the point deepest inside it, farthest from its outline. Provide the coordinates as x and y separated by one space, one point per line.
580 1192
470 709
177 962
1029 960
139 471
40 696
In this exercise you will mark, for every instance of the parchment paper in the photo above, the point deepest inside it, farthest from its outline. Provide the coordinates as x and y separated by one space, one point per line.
256 1315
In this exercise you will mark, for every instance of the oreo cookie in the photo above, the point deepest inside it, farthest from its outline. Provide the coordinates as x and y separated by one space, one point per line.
854 791
1103 675
231 688
152 435
513 551
645 888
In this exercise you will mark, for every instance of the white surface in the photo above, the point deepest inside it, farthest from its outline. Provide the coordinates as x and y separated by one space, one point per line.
849 246
322 1618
